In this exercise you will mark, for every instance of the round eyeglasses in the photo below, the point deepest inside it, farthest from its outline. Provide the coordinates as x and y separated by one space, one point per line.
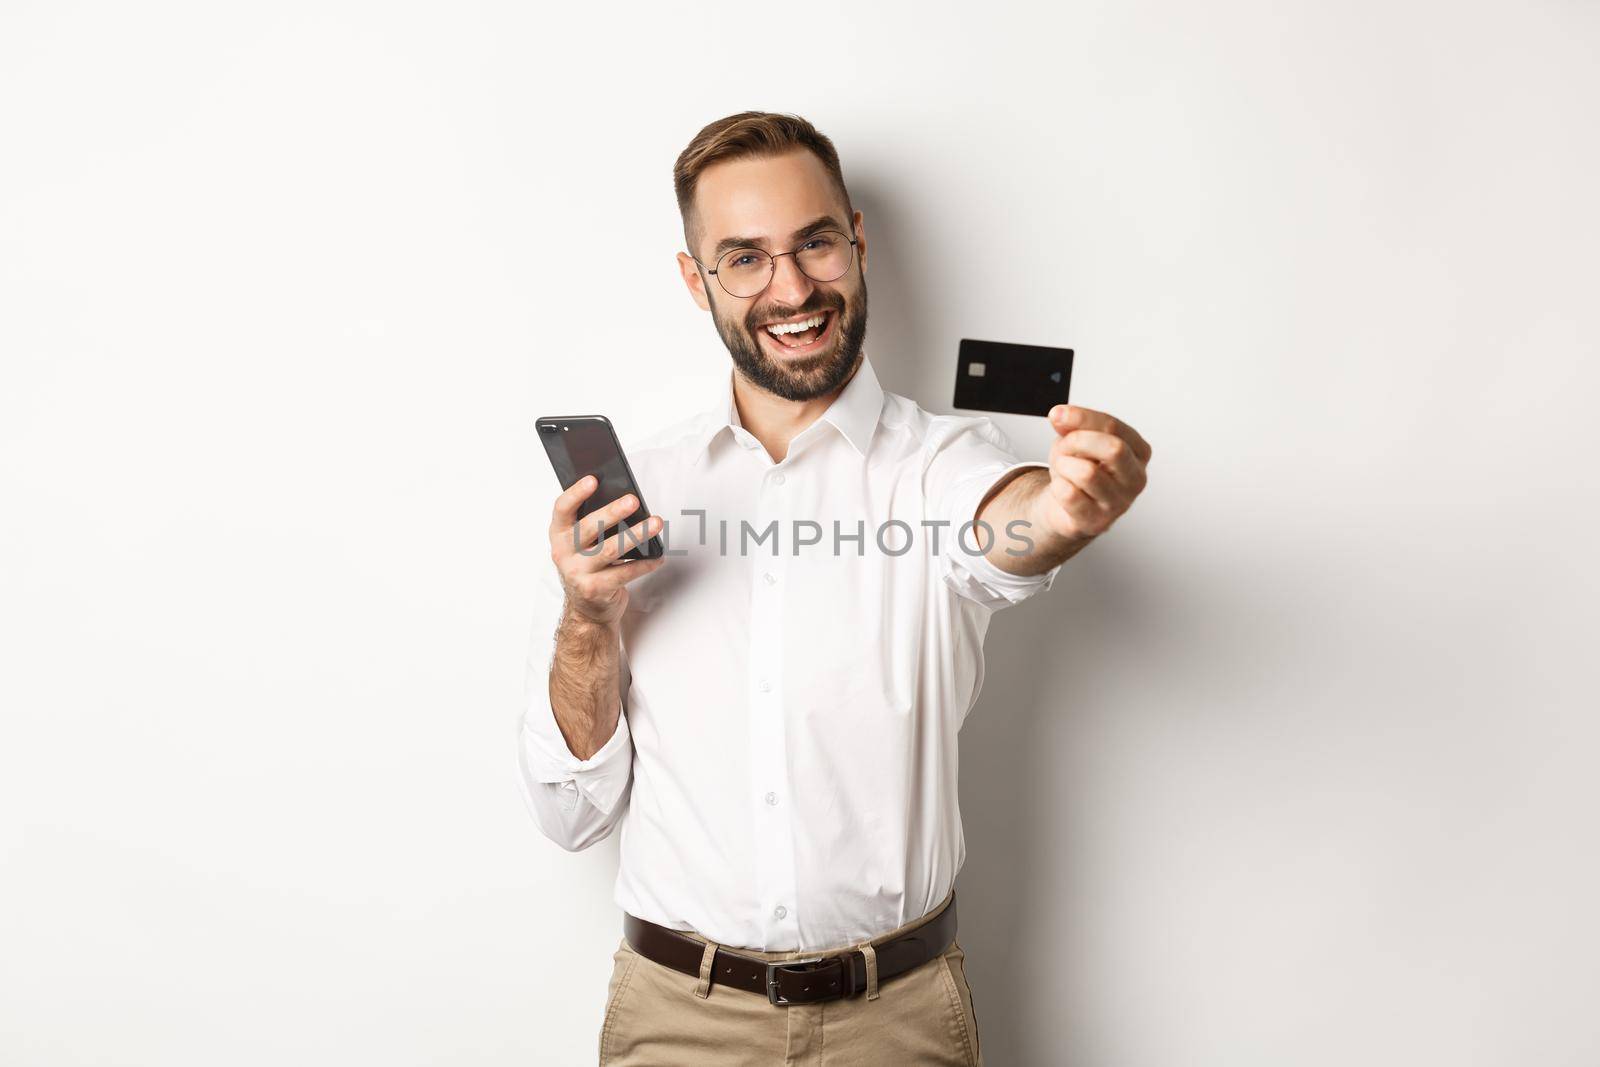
825 256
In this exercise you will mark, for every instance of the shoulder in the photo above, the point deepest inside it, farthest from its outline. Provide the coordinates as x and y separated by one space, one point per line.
667 440
660 458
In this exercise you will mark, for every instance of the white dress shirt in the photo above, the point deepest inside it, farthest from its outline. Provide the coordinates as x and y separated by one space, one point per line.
784 768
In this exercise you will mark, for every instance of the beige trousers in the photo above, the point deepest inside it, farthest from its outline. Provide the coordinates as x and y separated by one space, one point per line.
658 1017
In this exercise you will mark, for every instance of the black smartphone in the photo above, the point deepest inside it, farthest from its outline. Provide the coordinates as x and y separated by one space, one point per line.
579 445
1019 379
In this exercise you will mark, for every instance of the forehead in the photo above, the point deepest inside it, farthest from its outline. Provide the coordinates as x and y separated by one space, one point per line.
768 196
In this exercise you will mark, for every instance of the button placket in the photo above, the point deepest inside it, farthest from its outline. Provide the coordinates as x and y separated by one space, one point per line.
768 738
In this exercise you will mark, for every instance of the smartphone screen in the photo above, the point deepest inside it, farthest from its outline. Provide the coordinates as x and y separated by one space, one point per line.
581 445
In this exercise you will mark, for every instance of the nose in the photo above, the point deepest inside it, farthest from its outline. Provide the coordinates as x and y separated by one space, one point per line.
789 283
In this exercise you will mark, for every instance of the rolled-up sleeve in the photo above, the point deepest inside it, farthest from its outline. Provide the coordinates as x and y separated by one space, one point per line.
576 802
969 457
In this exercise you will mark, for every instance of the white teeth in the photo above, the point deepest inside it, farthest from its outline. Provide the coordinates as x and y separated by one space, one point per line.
796 327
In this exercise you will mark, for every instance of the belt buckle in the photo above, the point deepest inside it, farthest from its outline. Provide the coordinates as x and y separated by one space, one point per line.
785 965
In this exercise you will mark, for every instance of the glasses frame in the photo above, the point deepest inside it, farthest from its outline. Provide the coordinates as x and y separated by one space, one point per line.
772 264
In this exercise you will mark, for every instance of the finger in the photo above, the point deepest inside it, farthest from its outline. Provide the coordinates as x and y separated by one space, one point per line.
628 538
592 525
1089 477
1110 451
603 587
607 580
624 573
565 512
1067 417
624 540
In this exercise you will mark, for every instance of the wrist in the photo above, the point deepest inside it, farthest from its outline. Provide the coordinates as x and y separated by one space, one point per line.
581 625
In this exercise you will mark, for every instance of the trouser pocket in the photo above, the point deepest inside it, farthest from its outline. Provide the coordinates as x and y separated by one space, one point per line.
623 962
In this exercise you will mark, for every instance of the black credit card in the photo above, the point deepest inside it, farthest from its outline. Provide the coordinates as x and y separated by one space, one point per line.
1019 379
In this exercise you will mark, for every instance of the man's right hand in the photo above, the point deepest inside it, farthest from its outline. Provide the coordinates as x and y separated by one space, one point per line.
596 587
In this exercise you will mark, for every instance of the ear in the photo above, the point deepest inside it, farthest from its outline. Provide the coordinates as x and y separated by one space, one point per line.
861 240
693 279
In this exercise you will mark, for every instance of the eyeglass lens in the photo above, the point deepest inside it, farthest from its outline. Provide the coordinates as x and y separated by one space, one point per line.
823 257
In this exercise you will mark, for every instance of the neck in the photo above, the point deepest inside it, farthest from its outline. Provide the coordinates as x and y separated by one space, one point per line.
775 421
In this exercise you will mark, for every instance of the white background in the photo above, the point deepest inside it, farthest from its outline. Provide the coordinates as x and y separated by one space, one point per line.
1295 767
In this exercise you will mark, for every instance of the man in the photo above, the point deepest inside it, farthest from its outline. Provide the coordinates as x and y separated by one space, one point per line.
770 711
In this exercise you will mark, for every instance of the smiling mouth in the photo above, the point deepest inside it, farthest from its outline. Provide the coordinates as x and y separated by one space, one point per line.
812 332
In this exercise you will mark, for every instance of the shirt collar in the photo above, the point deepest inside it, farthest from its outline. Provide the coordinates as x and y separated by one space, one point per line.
854 412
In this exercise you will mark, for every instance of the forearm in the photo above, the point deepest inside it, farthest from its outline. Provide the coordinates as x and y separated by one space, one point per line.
1030 546
585 682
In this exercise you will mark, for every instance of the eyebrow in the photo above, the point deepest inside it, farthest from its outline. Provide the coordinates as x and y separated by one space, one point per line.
728 244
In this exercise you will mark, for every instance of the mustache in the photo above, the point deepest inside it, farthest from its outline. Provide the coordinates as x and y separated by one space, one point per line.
777 311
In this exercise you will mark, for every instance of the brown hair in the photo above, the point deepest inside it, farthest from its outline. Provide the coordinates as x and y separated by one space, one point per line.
747 134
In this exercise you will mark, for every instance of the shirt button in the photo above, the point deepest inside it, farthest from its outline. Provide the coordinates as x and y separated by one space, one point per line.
772 798
780 911
777 479
770 579
766 686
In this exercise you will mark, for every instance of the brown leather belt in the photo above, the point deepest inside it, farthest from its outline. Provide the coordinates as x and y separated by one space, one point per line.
828 976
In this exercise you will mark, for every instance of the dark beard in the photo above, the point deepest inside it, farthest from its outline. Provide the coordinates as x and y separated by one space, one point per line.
804 379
